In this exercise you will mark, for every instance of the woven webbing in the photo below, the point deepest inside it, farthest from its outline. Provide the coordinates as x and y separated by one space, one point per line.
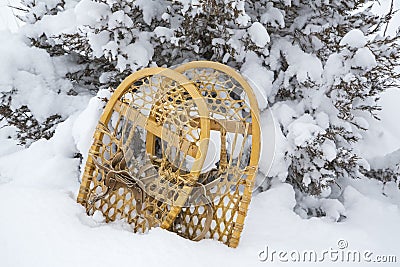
149 164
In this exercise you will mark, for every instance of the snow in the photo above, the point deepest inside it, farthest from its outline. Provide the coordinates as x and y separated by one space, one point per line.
89 12
322 119
214 151
334 208
43 222
389 160
383 135
270 143
354 38
259 35
242 19
35 75
302 65
259 78
52 25
333 65
164 32
119 17
381 8
329 149
139 53
303 129
42 225
151 9
364 58
273 16
85 124
7 18
98 42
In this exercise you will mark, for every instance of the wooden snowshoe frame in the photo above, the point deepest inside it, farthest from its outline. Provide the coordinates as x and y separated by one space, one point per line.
177 149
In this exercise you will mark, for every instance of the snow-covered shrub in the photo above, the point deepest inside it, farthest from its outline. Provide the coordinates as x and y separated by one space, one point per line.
321 65
386 168
34 93
110 39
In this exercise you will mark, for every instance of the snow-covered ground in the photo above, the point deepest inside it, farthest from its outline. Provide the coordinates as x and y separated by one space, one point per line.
42 225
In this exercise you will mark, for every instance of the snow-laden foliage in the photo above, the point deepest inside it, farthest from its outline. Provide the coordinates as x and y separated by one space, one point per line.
386 168
33 97
320 66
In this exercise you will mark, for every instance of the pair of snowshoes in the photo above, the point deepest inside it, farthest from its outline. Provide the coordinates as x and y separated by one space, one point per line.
178 149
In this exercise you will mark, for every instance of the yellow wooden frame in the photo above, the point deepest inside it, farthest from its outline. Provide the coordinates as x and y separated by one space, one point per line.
256 140
198 150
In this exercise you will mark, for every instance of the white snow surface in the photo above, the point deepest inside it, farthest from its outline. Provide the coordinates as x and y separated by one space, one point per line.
258 34
364 58
354 38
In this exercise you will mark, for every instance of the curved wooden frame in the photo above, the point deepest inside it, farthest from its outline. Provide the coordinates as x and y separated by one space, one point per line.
256 132
204 133
198 151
